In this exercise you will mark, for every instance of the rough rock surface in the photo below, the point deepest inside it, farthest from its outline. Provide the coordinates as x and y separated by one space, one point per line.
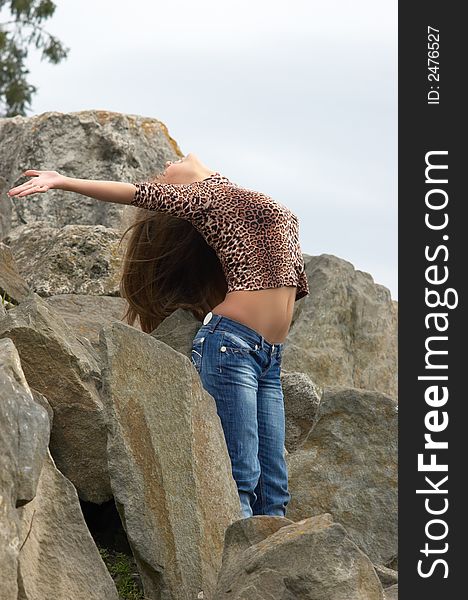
25 425
387 576
75 259
346 332
88 144
391 593
178 331
168 462
24 435
58 557
87 314
243 534
313 558
12 285
42 400
301 401
57 364
5 205
347 466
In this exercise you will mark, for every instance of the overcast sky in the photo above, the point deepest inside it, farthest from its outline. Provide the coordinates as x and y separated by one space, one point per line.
296 98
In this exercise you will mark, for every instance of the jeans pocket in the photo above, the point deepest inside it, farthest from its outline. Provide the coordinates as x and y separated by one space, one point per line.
197 353
233 350
232 343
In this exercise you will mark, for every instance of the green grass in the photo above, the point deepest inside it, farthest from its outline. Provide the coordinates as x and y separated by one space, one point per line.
6 300
122 571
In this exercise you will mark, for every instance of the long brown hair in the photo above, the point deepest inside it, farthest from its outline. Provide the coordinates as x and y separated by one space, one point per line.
168 265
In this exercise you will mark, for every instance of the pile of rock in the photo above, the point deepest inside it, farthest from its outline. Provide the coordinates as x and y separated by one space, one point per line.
94 410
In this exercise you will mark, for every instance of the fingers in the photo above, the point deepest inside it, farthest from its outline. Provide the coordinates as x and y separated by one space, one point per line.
27 188
29 191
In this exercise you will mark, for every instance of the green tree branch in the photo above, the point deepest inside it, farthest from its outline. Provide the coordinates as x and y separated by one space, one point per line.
15 91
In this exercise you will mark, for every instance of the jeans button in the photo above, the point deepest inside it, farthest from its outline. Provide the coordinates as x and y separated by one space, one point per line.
223 348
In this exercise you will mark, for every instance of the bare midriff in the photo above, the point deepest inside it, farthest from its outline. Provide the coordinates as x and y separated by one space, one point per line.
268 311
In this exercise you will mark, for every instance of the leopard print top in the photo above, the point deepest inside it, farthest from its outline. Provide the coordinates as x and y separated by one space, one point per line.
255 238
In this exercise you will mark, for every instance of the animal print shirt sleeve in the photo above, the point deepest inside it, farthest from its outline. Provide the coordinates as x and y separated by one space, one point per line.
186 201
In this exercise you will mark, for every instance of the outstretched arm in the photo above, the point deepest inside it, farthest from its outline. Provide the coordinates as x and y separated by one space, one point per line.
186 201
107 191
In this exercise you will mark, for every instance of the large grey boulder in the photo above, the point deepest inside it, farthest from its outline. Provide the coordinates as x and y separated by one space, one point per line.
5 206
24 424
346 331
12 284
88 144
86 314
391 593
347 466
168 462
58 557
301 401
75 259
42 400
24 435
241 535
59 365
178 330
314 558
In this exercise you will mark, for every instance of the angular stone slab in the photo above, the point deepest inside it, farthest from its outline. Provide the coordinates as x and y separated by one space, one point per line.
24 435
57 364
347 329
11 282
347 466
314 558
58 557
86 314
168 462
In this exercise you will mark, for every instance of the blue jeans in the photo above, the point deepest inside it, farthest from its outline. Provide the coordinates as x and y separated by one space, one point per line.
241 370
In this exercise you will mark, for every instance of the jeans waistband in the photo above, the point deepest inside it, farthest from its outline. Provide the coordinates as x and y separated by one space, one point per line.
227 324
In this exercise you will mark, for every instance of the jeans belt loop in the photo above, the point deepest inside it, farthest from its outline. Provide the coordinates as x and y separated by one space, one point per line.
207 318
213 321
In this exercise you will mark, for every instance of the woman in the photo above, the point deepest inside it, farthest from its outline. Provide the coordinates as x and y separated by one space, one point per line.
232 256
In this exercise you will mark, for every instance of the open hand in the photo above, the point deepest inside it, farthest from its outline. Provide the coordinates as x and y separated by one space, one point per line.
42 181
